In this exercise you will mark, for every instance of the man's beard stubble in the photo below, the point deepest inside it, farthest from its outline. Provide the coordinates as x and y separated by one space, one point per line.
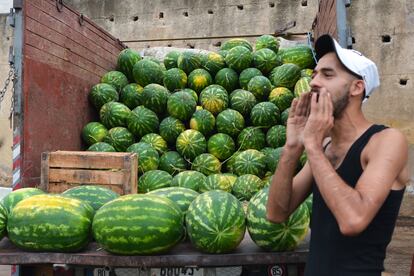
340 105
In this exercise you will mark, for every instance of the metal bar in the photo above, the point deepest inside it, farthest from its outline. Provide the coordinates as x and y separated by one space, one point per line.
341 23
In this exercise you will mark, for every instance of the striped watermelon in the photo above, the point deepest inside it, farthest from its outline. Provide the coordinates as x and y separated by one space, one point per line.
175 79
50 223
242 101
93 132
273 236
189 179
217 181
170 128
251 138
101 94
206 163
191 143
284 116
215 222
138 225
102 147
265 60
155 97
181 196
203 121
199 79
148 157
172 162
230 162
188 62
120 138
282 97
246 186
116 79
264 114
231 43
192 93
114 114
267 41
221 146
309 203
143 121
246 75
285 75
276 136
95 196
170 60
126 61
146 72
153 180
272 158
181 105
213 63
300 55
11 199
3 221
302 86
131 95
250 162
230 122
306 73
156 141
260 86
239 58
227 78
214 98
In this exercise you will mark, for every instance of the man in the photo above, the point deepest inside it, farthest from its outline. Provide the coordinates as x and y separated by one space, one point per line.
356 170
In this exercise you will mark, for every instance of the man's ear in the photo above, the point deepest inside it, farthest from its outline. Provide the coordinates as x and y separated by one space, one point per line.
358 88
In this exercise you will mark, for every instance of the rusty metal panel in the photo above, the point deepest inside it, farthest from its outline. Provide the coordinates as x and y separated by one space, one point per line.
62 59
326 19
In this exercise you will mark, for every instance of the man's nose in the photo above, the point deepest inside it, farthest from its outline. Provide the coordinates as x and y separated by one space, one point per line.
315 82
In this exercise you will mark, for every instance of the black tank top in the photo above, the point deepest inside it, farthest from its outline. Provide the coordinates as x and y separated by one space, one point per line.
333 254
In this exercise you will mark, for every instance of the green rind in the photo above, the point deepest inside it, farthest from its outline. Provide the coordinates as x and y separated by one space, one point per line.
175 79
181 196
221 145
191 143
95 196
264 114
114 114
155 97
153 180
230 122
227 78
214 98
156 141
239 58
170 128
282 97
143 121
11 199
126 61
250 162
102 147
146 72
172 162
116 79
148 157
181 105
276 136
101 94
203 121
189 179
246 186
246 75
206 163
93 132
251 138
120 138
199 79
131 95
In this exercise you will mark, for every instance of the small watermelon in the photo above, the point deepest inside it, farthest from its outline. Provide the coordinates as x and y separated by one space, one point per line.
181 105
267 41
156 141
265 60
231 43
143 121
155 97
146 72
126 61
214 98
153 180
276 136
102 147
300 55
306 73
230 122
272 158
221 146
199 79
181 196
242 101
191 143
94 195
302 86
203 121
217 181
239 58
206 163
265 114
11 199
227 78
131 95
170 60
260 86
120 138
282 97
101 94
114 114
251 138
189 179
172 162
188 62
285 75
246 186
246 75
192 93
116 79
175 79
250 162
170 128
148 157
213 63
93 132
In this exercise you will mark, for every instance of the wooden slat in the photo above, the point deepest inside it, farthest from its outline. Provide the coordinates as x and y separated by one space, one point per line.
58 187
44 171
89 160
86 176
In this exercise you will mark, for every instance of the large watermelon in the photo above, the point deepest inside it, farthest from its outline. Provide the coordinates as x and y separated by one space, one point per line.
302 86
221 145
217 181
11 199
116 79
181 196
3 221
181 105
272 158
96 196
214 98
251 138
229 163
215 222
300 55
114 114
203 121
156 141
213 63
285 75
175 79
282 97
101 94
246 186
191 143
265 114
267 41
242 101
148 157
153 180
120 138
276 136
284 116
170 128
192 93
199 79
275 236
246 75
126 61
139 225
131 95
206 163
93 132
230 122
231 43
146 72
265 60
188 62
227 78
260 86
239 58
50 223
155 97
172 162
170 60
250 162
143 121
102 147
189 179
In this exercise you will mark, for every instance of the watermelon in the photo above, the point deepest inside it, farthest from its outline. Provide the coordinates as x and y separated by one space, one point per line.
156 141
214 98
303 159
126 61
300 55
231 43
265 114
250 162
223 53
170 60
221 146
215 222
188 62
191 143
242 101
275 236
153 180
246 186
181 196
95 196
284 116
116 79
138 224
206 163
227 78
156 60
3 221
306 73
302 86
189 179
148 157
101 94
93 132
260 86
265 60
143 121
285 75
114 114
267 41
309 203
239 58
246 75
251 138
170 128
50 223
199 79
191 92
276 136
11 199
131 95
147 71
101 146
181 105
272 158
230 162
175 79
213 63
155 97
203 121
282 97
230 122
172 162
120 138
217 181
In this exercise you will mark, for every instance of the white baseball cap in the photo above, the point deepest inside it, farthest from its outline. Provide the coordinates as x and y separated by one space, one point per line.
353 60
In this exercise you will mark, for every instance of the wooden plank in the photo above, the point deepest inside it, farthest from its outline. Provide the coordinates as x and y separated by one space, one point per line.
44 171
59 187
134 176
93 177
89 160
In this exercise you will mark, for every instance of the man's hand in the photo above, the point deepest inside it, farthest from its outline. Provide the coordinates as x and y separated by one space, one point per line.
296 122
320 120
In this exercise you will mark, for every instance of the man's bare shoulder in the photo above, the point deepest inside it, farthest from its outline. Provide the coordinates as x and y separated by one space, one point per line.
391 137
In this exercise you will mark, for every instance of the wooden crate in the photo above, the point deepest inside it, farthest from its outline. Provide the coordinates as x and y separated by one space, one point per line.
61 170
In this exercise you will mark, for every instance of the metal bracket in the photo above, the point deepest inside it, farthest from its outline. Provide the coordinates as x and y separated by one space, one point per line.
10 18
11 55
81 19
347 3
17 4
59 5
